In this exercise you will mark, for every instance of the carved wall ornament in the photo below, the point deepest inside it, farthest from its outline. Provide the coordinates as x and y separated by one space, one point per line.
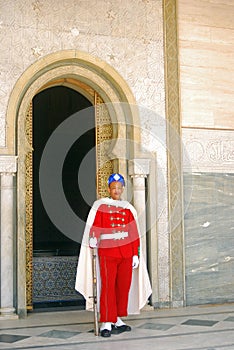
8 164
208 150
175 249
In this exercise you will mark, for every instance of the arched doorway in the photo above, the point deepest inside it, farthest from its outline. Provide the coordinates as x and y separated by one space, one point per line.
115 109
55 254
51 257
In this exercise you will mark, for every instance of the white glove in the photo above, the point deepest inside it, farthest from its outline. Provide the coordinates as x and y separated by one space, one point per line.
93 242
135 262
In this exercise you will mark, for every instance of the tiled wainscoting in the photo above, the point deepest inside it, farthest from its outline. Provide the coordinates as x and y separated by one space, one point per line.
54 279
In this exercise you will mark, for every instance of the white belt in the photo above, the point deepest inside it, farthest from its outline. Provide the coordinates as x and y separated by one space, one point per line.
116 235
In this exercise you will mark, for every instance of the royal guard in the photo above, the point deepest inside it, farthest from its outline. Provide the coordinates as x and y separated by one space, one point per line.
122 278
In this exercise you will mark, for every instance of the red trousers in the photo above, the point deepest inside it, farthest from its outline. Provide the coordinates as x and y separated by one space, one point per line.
116 276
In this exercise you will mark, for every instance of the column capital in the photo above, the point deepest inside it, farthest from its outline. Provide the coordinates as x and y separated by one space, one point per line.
8 164
139 167
8 173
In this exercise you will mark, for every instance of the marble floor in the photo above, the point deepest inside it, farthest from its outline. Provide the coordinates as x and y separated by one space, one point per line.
191 328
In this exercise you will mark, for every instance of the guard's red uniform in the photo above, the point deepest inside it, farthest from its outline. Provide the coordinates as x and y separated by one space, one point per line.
115 257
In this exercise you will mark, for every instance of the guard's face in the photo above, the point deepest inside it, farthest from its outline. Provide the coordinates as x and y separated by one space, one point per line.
115 189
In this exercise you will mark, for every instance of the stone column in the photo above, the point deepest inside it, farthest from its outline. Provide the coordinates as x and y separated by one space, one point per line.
7 171
138 170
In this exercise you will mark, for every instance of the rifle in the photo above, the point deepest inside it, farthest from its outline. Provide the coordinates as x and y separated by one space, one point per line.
96 328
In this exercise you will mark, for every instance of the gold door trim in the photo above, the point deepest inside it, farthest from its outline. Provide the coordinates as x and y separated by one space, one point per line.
29 209
104 134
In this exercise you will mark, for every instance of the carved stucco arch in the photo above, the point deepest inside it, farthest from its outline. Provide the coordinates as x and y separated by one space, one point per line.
65 68
70 63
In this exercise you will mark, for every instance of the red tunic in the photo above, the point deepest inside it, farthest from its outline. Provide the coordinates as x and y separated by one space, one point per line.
111 219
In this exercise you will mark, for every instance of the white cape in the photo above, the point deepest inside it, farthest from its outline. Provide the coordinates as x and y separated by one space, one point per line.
140 289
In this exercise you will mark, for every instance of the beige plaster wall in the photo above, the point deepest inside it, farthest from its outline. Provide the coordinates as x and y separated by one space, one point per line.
206 45
206 54
126 35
